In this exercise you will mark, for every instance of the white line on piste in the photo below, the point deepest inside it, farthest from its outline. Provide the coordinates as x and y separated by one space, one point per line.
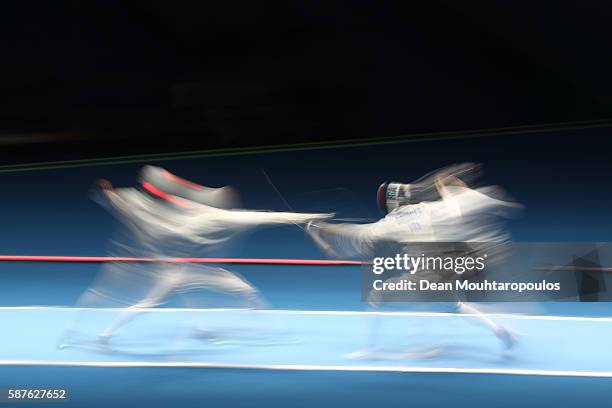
303 367
315 312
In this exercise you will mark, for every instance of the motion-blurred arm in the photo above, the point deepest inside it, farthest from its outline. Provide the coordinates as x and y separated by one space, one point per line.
246 218
346 240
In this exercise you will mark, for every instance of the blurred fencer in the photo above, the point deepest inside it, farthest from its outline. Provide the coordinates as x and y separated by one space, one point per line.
170 217
440 208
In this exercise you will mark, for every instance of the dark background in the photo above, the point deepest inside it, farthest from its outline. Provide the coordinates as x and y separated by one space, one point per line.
82 79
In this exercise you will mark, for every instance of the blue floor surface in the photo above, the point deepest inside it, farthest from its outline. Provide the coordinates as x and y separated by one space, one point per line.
319 340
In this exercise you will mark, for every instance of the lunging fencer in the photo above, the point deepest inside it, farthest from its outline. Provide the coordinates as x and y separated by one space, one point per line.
169 217
439 208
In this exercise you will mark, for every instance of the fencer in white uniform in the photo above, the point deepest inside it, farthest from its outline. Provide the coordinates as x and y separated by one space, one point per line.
438 208
170 217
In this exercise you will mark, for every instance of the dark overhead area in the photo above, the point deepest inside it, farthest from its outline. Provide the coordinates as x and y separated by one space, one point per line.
92 78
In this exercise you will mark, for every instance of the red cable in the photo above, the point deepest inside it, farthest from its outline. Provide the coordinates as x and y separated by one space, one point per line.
249 261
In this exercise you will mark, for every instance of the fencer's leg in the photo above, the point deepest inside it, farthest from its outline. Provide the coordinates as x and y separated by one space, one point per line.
153 298
87 299
227 282
374 328
233 283
371 337
254 300
503 334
